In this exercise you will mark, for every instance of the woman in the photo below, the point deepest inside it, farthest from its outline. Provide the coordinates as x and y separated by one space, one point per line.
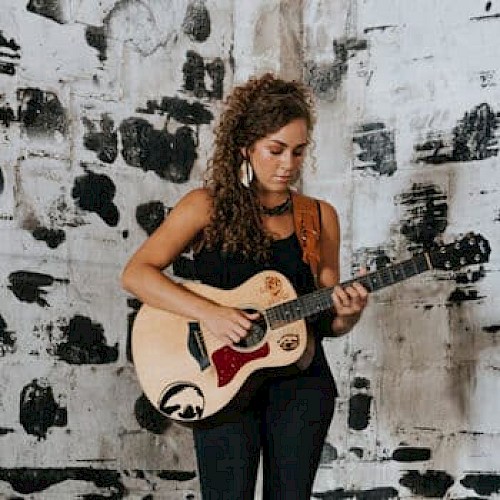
239 224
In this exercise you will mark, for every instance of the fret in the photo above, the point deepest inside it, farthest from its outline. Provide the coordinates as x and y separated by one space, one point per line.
321 300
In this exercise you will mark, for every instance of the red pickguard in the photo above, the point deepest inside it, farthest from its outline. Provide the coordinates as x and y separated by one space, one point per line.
228 362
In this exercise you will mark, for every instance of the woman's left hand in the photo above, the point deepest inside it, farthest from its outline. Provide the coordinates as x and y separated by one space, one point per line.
349 303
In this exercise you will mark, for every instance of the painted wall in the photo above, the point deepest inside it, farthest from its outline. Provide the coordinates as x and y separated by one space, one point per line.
106 115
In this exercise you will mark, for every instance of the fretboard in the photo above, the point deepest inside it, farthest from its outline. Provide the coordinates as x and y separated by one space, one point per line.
320 300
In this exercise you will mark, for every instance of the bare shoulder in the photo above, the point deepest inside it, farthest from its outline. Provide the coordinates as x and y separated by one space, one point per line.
329 215
196 203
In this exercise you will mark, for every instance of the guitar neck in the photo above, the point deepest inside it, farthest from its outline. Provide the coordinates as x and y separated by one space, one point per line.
321 300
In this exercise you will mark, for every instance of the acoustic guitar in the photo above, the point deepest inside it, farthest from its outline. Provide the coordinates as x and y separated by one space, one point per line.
190 375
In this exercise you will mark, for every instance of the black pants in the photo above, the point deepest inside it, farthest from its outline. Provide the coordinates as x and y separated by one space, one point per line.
288 420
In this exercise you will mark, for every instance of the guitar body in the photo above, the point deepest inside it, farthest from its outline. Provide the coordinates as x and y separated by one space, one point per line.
190 375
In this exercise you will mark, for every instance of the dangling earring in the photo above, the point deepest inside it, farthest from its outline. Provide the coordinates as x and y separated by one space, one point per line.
246 173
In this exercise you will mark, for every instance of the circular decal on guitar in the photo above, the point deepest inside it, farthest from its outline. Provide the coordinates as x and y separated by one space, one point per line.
182 401
289 342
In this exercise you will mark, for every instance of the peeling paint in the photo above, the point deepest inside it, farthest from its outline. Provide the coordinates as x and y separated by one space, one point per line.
104 142
409 454
482 484
326 78
359 411
94 193
150 215
39 410
431 484
181 110
194 71
382 493
426 214
8 343
475 137
10 52
377 147
50 9
29 286
196 24
149 418
84 343
170 156
41 113
34 480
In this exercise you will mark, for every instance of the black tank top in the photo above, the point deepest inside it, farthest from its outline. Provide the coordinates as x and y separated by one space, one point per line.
229 270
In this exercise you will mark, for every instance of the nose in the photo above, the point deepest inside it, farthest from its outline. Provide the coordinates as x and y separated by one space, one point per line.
288 161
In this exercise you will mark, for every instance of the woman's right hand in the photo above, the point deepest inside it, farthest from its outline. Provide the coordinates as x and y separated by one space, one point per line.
228 324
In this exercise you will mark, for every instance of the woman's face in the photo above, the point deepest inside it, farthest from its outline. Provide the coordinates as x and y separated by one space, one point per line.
277 158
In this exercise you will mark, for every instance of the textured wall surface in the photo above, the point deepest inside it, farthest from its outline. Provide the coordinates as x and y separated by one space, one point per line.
106 115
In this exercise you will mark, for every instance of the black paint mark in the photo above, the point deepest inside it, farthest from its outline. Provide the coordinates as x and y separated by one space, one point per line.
196 24
373 494
2 181
38 409
326 79
28 286
359 411
51 9
361 383
491 329
194 70
377 148
7 339
149 418
426 214
482 484
96 37
328 454
150 215
185 112
474 138
105 142
33 480
487 6
41 112
176 475
135 305
10 50
482 18
460 295
170 156
382 27
408 454
7 115
52 237
85 344
6 430
94 193
9 44
432 484
358 452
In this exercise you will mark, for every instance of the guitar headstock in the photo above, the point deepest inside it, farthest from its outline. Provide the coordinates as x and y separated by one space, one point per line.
471 249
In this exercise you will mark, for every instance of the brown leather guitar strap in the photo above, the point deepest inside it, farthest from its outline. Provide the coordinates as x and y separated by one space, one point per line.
307 220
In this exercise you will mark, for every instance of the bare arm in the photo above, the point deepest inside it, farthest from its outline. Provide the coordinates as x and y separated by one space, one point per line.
348 302
144 278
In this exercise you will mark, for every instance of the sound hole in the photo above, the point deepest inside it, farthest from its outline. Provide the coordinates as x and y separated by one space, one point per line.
255 334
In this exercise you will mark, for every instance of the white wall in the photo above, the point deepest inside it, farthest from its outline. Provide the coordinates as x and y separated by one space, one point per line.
91 98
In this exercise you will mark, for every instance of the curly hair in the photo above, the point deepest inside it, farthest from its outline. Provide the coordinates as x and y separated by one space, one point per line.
260 107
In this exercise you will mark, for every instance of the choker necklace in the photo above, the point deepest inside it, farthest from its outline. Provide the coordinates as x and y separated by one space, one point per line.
278 209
